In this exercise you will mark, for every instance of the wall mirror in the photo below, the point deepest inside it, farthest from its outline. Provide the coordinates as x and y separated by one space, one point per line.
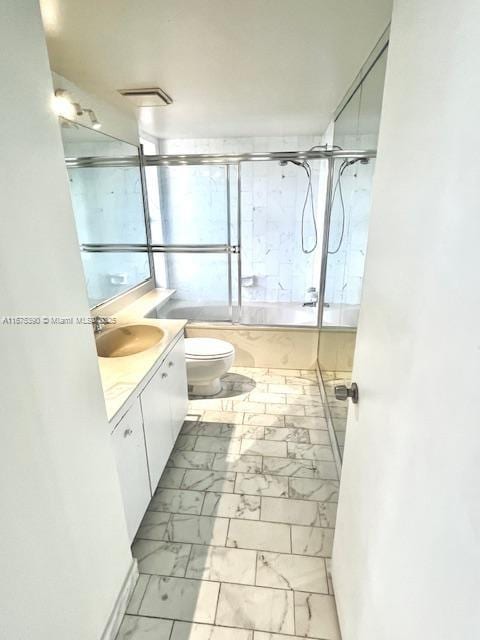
109 210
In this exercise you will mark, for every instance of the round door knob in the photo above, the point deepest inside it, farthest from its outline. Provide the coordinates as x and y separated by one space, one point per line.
164 375
342 392
127 432
170 364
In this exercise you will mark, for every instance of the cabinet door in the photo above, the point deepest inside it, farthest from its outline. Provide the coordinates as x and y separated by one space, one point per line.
129 447
177 386
157 420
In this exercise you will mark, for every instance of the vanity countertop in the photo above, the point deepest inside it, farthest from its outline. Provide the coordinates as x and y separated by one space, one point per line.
122 376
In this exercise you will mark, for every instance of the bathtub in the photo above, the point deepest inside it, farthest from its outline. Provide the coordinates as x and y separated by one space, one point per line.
260 313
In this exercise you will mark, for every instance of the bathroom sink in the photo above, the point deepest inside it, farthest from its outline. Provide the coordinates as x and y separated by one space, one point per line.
127 340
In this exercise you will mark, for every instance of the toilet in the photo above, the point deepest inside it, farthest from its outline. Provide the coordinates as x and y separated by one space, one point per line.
208 359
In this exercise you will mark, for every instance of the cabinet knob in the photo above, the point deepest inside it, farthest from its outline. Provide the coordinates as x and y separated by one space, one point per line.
170 364
164 375
127 432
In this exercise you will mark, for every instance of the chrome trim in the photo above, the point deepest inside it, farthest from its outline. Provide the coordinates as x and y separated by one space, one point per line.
239 240
229 242
146 212
199 159
158 248
326 237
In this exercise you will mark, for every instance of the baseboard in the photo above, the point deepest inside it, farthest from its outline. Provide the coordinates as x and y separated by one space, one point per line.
118 611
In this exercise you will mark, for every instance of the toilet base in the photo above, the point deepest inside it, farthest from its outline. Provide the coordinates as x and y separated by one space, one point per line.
209 389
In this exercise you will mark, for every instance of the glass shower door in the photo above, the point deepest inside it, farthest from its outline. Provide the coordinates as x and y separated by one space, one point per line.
280 283
192 236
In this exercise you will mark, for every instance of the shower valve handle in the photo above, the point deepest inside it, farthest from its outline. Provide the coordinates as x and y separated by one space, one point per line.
342 392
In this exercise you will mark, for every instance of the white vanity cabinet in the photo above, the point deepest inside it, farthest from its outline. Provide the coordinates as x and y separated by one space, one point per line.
144 437
164 406
129 447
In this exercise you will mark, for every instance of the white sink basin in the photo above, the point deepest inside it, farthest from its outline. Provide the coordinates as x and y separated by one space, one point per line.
127 340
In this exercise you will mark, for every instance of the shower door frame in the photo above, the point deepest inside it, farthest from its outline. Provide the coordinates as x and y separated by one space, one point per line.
230 249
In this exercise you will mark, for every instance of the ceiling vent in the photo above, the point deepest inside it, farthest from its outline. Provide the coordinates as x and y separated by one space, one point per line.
152 97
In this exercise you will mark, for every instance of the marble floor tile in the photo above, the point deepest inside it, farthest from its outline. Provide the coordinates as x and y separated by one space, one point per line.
310 451
284 372
249 431
287 389
268 398
177 501
288 434
264 419
324 469
231 505
264 447
319 436
187 631
232 417
200 480
314 514
261 484
185 442
222 564
256 608
171 478
161 558
217 445
140 628
216 429
248 406
319 490
301 422
264 536
180 599
197 529
287 571
300 380
289 467
316 616
191 460
311 390
312 541
285 409
305 400
262 635
153 525
315 410
244 464
138 593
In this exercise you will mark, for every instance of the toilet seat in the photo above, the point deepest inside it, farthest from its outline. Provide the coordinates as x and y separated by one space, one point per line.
207 349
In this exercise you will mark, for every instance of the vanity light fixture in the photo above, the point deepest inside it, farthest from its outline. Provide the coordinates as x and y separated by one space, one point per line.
65 107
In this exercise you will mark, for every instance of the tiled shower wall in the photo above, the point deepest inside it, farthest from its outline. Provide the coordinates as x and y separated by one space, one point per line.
272 196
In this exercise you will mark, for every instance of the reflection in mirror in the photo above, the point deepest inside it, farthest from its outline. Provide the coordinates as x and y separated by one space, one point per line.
108 206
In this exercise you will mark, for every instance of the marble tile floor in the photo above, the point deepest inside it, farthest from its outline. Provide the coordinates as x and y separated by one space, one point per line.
237 540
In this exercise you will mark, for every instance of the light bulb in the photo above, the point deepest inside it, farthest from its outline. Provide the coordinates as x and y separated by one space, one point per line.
63 105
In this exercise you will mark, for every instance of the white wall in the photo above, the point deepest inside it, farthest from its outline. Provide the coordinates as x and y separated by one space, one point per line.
114 122
407 549
64 549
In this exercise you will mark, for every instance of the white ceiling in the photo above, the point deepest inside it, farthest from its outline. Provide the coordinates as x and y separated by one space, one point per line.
232 67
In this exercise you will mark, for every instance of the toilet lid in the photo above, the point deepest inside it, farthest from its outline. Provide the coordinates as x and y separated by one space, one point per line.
205 348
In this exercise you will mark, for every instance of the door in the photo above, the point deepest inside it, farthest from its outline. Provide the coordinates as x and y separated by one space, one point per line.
129 447
177 386
406 560
157 424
